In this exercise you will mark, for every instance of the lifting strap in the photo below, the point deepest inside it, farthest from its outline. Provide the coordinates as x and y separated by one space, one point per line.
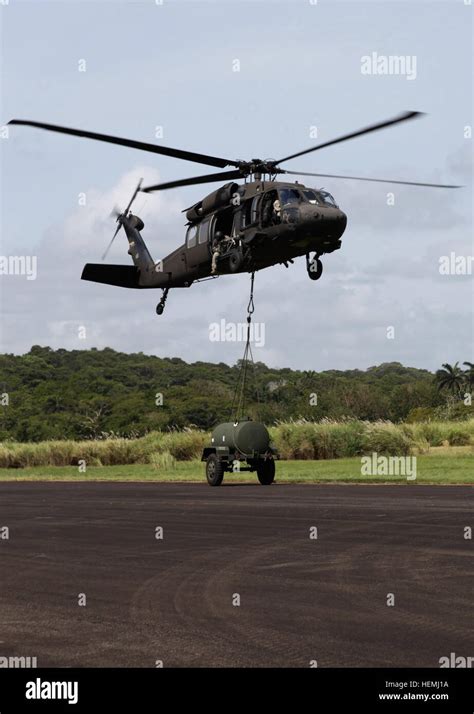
238 401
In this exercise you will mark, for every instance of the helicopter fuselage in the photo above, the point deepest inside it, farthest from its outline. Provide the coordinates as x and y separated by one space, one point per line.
252 226
236 229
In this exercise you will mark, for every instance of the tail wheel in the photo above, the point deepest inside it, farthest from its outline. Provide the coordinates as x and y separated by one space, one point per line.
266 472
161 305
214 470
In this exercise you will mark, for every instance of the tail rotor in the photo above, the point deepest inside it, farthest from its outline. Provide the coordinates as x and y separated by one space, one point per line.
119 216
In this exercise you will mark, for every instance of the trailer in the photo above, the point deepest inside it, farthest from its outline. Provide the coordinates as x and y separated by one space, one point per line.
233 443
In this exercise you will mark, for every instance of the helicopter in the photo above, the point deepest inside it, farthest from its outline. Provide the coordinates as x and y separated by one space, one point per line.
238 228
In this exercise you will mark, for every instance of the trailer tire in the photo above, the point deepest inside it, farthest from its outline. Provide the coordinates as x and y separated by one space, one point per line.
214 470
266 471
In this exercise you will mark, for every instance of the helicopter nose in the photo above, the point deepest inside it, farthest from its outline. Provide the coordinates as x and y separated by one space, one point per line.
341 220
337 223
331 219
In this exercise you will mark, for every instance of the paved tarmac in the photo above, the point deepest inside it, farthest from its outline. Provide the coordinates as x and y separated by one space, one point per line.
176 599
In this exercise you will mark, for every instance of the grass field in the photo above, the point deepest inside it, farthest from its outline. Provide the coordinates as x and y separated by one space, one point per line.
443 465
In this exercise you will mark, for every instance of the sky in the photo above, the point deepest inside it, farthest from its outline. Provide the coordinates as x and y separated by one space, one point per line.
128 68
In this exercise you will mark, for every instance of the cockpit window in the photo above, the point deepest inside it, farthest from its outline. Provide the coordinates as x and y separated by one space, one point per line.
312 197
319 198
327 198
289 195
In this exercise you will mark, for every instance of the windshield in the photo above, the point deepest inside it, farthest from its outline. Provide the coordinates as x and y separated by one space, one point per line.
289 195
327 198
312 197
319 198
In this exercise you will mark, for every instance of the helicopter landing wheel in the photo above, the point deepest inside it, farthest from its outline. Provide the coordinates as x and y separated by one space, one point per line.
161 305
314 267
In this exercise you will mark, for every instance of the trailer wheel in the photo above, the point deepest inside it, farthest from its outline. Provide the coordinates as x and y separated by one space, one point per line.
214 470
266 471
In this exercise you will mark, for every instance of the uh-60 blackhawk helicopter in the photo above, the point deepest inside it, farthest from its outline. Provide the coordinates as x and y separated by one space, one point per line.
238 228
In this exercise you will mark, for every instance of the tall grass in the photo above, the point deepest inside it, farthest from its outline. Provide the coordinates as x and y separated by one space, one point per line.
295 440
332 440
180 446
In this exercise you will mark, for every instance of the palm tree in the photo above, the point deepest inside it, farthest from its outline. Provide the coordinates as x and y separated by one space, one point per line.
469 373
451 377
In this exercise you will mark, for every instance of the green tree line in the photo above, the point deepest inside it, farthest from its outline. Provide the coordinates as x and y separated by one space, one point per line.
60 394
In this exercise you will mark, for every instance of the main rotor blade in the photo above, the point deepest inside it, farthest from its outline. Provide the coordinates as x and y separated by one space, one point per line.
373 127
363 178
142 146
193 181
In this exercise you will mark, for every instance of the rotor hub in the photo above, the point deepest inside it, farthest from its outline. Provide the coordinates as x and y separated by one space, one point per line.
258 166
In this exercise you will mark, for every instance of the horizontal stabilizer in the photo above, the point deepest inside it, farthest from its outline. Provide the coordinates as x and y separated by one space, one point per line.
125 276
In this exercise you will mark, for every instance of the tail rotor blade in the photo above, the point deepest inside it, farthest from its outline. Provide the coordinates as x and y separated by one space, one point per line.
139 185
110 244
117 215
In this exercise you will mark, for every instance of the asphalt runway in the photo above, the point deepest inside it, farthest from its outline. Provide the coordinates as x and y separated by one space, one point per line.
174 599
